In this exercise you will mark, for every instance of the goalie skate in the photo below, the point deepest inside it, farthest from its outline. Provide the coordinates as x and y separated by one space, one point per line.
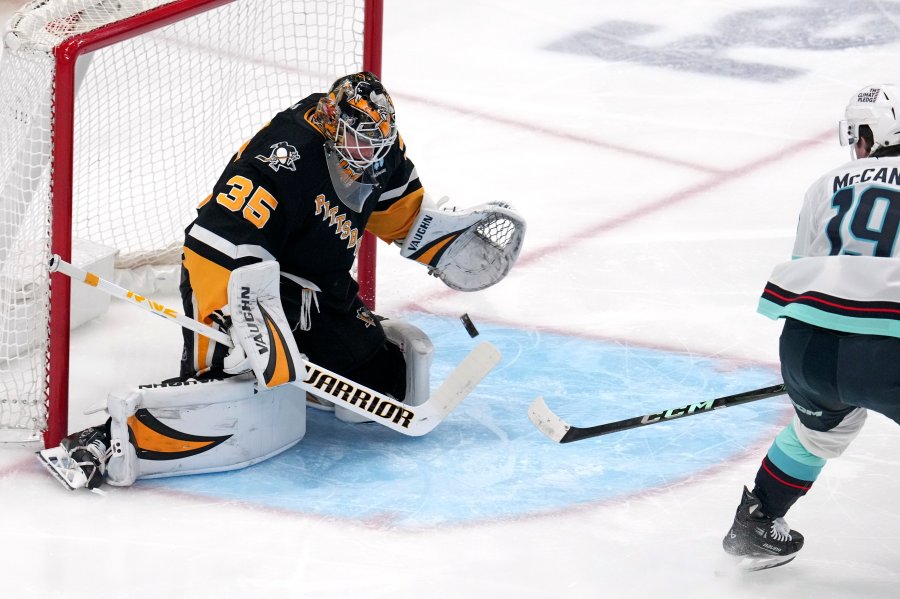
80 459
63 468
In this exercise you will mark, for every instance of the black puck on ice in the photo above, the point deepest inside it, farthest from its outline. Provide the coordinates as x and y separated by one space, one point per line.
470 327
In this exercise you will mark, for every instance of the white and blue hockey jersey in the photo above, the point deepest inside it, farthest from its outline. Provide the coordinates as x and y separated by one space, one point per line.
845 274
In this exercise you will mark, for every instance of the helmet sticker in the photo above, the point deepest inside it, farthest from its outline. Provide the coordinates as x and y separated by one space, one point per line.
873 115
868 95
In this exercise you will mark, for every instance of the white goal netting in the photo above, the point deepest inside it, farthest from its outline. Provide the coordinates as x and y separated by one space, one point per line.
156 118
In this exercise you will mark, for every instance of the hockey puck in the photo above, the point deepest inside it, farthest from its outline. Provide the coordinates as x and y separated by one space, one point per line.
470 327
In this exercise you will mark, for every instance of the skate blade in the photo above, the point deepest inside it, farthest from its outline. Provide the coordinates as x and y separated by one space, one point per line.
755 564
318 403
57 461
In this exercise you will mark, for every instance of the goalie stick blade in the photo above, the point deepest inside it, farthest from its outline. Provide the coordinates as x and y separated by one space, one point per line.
57 461
463 380
546 421
414 421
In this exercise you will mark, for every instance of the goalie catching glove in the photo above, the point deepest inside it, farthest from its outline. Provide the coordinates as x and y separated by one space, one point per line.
262 338
468 249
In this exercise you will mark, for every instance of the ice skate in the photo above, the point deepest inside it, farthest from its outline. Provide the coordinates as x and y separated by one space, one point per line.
758 541
318 403
80 459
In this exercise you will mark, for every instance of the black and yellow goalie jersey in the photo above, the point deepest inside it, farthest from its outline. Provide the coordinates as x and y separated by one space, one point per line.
275 201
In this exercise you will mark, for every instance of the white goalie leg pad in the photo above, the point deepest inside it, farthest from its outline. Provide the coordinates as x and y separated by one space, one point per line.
418 353
197 427
468 249
260 327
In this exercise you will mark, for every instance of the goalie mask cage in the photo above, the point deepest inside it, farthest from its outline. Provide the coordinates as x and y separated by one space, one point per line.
116 119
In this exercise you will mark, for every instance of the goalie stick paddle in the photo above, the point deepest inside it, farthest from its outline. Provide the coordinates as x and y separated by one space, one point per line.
321 382
556 429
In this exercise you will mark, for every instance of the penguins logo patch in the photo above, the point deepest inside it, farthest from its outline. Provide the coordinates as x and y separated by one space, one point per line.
364 315
283 156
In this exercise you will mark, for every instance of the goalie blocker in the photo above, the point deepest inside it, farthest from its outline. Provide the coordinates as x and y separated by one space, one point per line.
261 336
468 249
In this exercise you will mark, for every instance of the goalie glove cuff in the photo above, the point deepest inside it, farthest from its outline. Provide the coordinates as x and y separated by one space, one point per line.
236 361
221 318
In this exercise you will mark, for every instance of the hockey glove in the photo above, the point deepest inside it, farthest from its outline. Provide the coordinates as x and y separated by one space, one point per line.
236 360
263 340
468 249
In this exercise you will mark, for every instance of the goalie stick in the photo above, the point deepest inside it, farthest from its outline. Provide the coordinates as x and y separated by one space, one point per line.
560 431
414 421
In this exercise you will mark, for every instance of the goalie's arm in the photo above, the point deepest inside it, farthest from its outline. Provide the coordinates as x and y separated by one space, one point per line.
467 249
399 203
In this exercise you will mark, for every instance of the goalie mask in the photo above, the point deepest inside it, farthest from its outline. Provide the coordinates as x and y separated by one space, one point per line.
876 107
357 116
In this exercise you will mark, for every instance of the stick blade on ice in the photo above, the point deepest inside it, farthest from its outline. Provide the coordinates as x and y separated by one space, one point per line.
465 378
546 421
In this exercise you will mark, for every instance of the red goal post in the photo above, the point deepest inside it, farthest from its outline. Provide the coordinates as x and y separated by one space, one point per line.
146 100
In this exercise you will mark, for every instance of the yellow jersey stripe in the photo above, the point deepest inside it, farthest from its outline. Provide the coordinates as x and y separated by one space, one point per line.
394 223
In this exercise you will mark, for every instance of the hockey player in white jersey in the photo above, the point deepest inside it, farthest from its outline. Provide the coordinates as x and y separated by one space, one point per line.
839 350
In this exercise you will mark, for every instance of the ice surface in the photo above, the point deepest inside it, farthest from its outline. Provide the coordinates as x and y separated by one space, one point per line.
659 151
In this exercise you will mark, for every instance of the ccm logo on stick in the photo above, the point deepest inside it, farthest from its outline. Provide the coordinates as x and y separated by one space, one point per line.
678 412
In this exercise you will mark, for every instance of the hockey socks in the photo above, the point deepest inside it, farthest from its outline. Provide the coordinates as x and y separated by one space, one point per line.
786 474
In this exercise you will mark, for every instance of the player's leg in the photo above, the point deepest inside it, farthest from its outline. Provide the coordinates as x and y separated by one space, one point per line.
869 377
824 424
822 428
389 356
402 366
200 356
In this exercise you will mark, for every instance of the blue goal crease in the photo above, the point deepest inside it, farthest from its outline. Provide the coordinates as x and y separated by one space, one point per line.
486 461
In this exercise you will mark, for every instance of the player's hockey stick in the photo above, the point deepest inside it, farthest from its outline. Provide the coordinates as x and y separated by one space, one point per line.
321 382
560 431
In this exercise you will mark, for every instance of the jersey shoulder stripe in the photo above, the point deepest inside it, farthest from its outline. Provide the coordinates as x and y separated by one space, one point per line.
229 249
390 195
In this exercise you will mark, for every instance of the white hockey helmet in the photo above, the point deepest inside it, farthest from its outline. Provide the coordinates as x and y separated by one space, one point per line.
878 107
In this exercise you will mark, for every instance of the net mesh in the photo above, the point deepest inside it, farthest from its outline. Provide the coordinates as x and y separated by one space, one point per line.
156 119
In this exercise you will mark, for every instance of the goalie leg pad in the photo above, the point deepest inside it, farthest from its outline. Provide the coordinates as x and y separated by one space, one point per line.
200 426
418 353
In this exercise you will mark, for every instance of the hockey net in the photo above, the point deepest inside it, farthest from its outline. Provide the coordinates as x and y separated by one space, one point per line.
116 118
